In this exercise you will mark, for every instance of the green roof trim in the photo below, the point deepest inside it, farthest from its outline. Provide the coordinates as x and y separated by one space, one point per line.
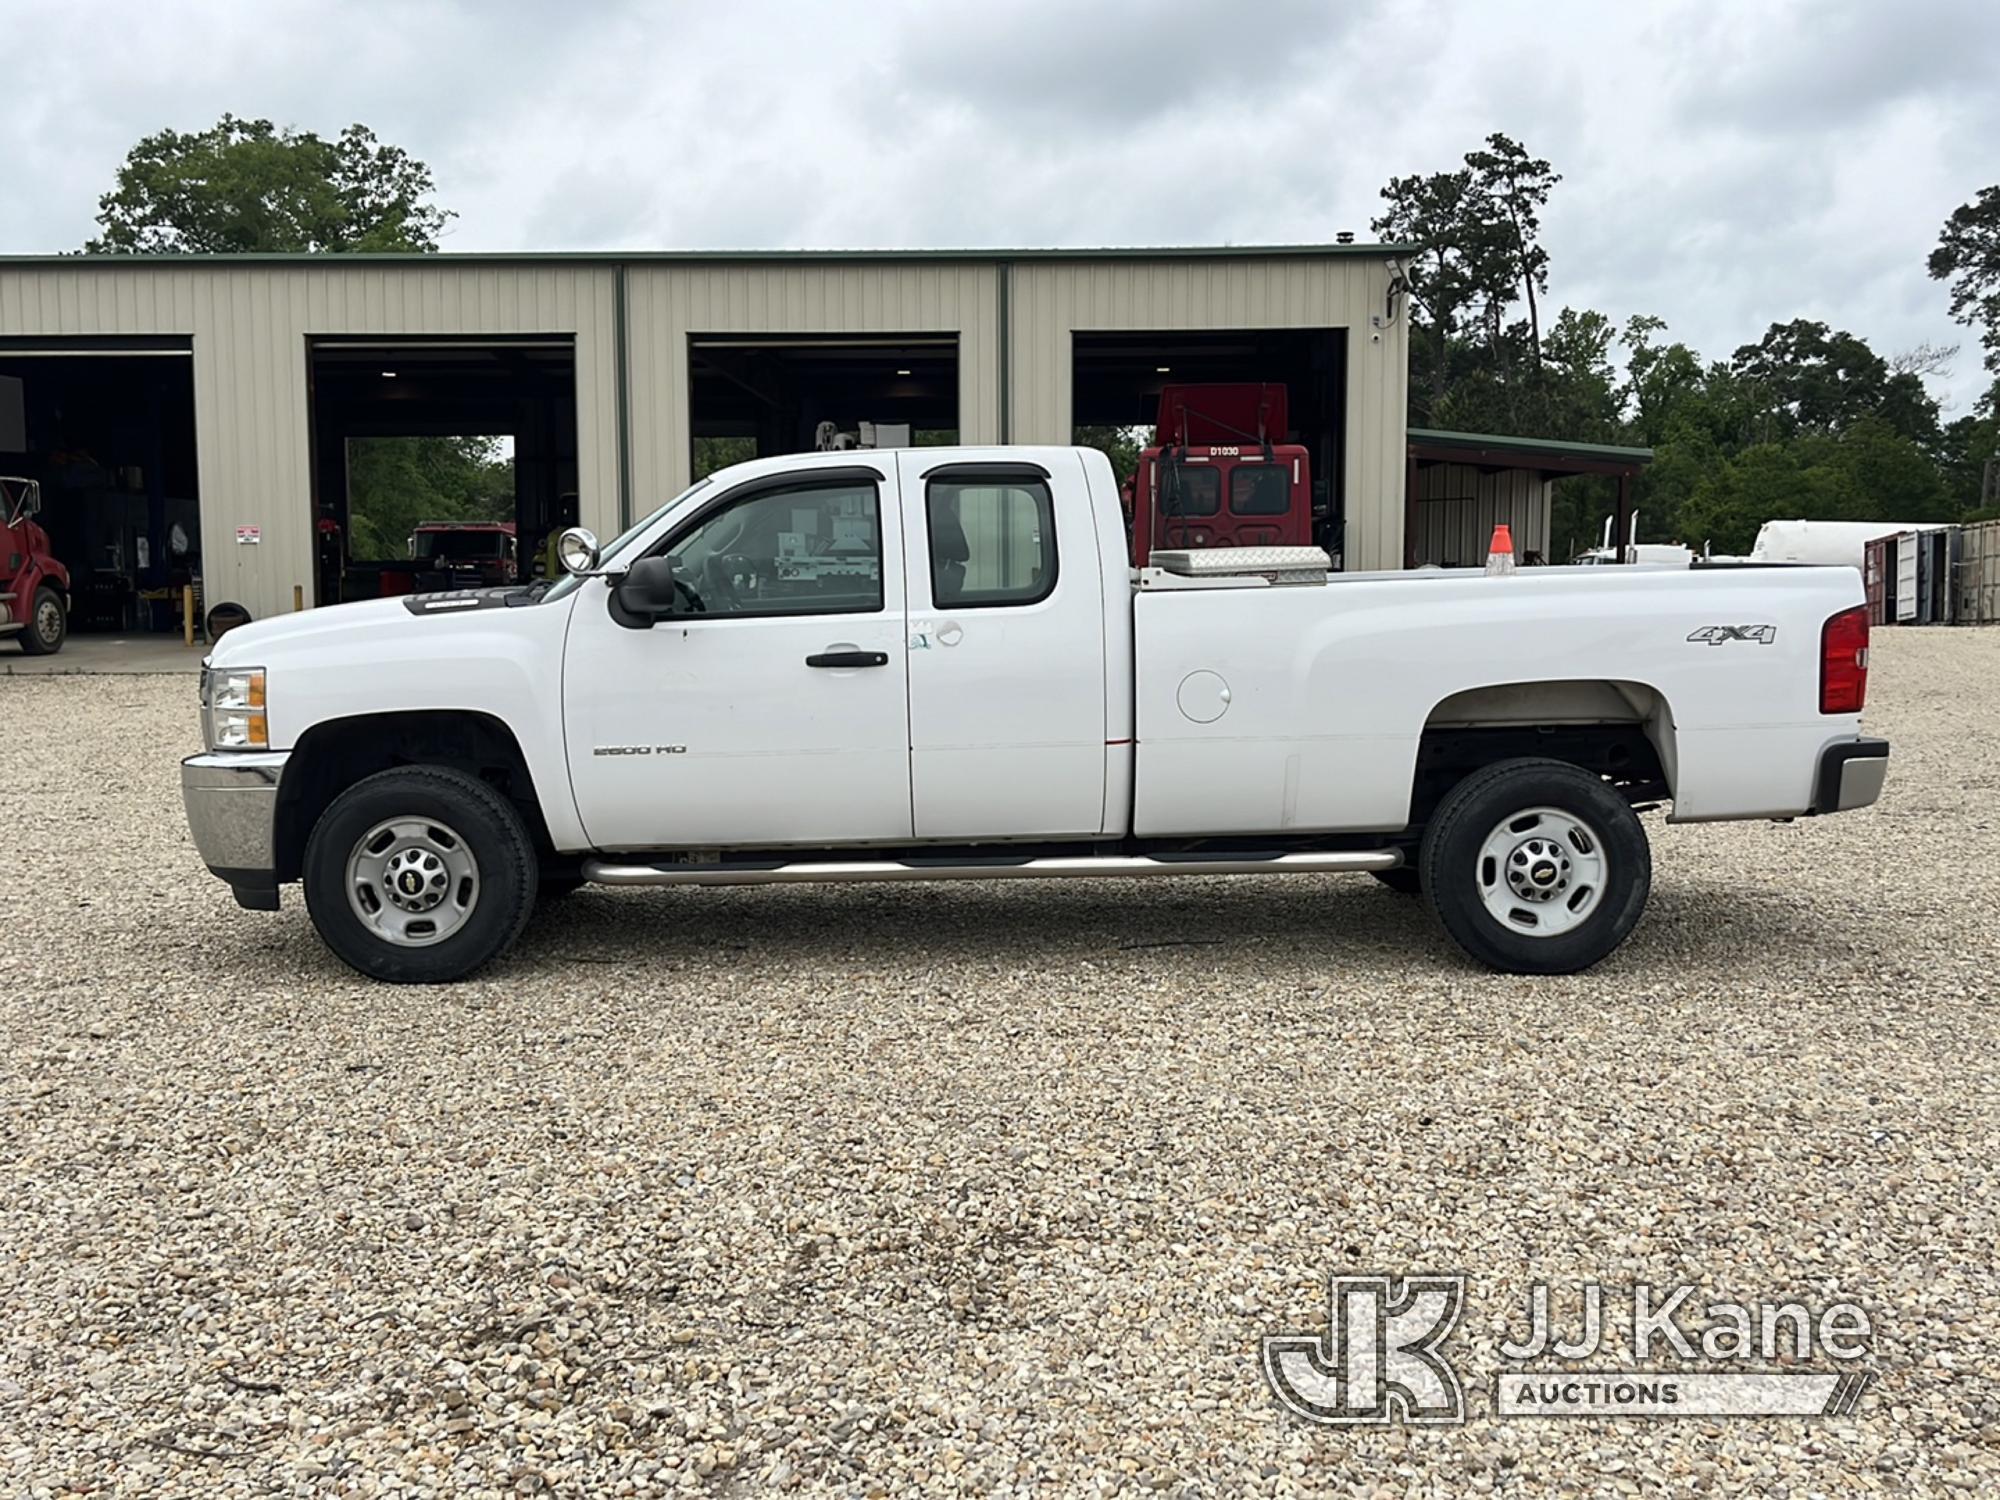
76 261
1528 446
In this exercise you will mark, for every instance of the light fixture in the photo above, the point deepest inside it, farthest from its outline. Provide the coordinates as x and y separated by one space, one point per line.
1162 369
388 374
902 372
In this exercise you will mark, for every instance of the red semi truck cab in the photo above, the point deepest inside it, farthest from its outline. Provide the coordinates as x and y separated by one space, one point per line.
34 587
1218 474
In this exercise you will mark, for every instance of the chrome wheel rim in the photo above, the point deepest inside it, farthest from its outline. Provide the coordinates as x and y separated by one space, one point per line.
412 881
1541 872
48 622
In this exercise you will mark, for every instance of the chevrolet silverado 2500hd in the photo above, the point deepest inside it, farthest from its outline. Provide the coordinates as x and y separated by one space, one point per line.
937 664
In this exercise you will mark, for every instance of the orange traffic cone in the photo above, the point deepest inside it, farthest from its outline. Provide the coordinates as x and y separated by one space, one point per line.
1500 551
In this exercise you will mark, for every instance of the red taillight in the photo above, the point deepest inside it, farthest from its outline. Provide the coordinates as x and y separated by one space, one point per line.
1843 662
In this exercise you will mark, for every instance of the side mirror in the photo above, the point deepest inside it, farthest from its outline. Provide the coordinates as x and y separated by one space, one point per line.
576 550
646 593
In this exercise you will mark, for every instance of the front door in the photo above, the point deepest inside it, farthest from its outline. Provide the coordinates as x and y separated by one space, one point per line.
775 709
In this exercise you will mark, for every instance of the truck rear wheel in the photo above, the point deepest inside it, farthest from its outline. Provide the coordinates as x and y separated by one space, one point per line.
419 875
1536 866
48 624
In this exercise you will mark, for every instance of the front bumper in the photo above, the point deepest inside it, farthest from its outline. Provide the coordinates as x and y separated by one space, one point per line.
1851 774
232 809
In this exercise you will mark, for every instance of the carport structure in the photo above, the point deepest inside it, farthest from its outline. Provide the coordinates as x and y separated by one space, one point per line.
1459 485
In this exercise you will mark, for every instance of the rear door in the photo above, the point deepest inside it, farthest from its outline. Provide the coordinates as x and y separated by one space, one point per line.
1006 649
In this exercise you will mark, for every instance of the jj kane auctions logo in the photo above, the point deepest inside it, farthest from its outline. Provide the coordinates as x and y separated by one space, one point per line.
1381 1360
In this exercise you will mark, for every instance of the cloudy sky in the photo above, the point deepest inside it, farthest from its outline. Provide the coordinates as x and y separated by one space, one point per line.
1726 164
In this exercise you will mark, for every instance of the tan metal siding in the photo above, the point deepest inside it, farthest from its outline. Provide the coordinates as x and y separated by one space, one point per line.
250 326
667 303
1052 300
1458 507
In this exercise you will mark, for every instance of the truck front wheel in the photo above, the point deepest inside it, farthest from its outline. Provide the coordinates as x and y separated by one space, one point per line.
48 624
1536 866
419 875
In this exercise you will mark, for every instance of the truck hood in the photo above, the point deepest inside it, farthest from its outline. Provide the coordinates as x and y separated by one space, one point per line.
352 629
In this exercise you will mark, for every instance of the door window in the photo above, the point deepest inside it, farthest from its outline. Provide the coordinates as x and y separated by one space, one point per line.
992 542
809 550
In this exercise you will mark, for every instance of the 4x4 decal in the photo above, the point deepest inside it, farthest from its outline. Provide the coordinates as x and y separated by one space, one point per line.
1715 635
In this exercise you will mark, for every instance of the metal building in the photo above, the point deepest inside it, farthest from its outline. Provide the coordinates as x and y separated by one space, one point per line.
194 413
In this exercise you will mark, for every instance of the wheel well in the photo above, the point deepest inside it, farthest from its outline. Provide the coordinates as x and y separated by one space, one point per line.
1622 731
332 756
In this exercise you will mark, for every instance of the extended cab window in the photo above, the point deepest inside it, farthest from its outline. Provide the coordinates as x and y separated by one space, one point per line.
1260 490
810 550
992 542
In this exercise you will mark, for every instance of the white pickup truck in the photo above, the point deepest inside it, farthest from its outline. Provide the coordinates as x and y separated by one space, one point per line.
937 664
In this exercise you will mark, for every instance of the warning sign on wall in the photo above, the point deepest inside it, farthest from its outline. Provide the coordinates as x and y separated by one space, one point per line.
249 536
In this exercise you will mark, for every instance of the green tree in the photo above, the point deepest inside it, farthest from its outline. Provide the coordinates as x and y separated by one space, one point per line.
395 484
1970 461
1809 378
1762 483
247 185
712 453
1122 445
1517 186
1968 256
1888 476
1458 272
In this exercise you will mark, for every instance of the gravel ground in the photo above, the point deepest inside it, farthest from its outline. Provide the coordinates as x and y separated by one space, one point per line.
890 1190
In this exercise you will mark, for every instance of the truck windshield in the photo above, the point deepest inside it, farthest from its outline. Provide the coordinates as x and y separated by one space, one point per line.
569 583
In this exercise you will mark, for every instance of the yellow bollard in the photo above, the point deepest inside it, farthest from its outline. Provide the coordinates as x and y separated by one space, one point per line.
187 614
298 597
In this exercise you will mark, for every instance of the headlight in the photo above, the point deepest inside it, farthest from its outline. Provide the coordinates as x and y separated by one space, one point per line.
232 708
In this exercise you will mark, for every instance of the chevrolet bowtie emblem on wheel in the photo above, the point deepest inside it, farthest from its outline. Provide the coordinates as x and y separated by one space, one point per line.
1377 1361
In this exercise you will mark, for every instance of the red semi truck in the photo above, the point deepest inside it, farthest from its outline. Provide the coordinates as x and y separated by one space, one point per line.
34 587
1218 473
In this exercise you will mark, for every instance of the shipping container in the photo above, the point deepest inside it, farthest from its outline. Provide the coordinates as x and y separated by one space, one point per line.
1906 578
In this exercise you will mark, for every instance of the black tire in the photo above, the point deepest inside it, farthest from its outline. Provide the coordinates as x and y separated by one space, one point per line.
1404 880
483 823
1455 880
48 624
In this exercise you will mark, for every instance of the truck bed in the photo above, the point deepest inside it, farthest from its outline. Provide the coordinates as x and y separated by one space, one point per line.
1297 708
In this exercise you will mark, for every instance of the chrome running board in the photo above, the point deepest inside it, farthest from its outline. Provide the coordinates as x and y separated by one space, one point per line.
1081 866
